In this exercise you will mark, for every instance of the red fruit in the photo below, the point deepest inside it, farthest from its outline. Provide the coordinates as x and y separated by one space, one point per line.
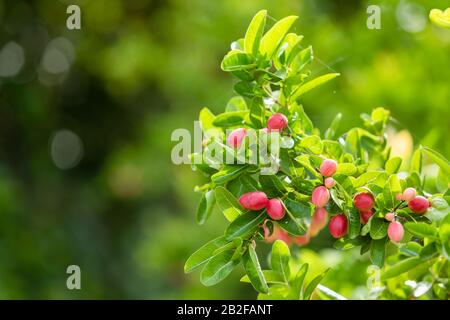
320 196
277 121
409 194
235 137
390 216
328 167
364 216
319 221
329 182
253 200
364 201
302 240
419 204
395 231
338 225
275 209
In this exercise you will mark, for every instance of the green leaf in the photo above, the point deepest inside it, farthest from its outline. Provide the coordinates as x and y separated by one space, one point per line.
218 268
438 158
366 178
401 267
230 119
254 32
245 224
416 161
313 284
444 236
421 229
429 251
346 243
312 84
205 207
297 218
393 165
354 223
236 103
442 181
253 270
347 169
236 60
272 186
297 283
257 117
227 203
439 209
378 251
330 133
300 122
206 119
272 39
313 144
270 276
293 48
228 173
411 249
280 259
378 228
204 254
390 191
302 59
304 161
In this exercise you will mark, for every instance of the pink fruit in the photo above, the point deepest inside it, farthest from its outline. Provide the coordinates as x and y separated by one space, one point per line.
235 137
419 204
302 240
320 196
277 121
329 182
395 231
338 225
390 216
409 194
253 200
319 221
275 209
364 201
328 167
364 216
399 197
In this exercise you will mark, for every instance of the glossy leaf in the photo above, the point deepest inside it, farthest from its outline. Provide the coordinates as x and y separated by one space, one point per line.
218 268
204 254
228 203
253 270
245 224
312 84
205 207
280 259
254 32
272 39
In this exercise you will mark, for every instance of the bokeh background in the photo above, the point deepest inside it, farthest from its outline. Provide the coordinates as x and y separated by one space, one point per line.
86 117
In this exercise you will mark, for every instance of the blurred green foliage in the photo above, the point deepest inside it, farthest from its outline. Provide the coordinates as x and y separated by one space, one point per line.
141 68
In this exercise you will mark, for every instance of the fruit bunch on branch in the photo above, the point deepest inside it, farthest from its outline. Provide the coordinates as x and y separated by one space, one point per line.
307 180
